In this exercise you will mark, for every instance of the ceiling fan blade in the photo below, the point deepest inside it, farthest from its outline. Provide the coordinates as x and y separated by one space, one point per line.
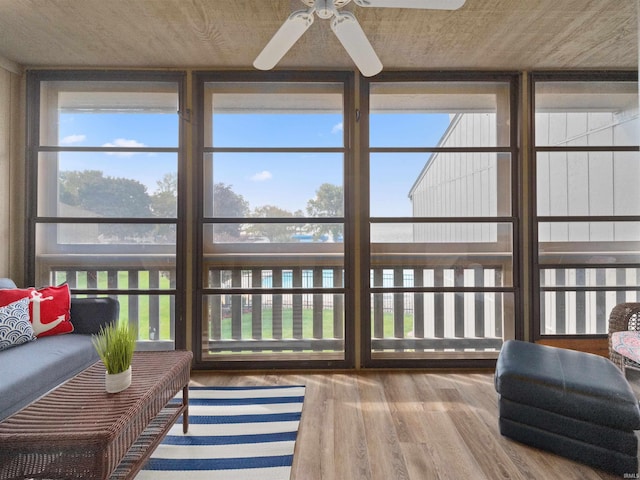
422 4
355 42
288 34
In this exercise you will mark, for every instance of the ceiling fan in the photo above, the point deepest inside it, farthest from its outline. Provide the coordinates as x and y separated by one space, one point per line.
344 25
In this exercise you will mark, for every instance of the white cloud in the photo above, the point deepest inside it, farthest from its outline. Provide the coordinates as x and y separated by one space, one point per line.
71 139
262 176
123 142
337 128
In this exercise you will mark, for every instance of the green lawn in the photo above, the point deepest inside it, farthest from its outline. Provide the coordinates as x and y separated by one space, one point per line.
142 323
307 325
165 308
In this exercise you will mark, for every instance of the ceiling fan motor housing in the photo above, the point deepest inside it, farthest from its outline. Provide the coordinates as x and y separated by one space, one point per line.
325 8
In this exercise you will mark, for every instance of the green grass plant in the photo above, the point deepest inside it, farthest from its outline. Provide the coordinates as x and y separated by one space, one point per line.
115 345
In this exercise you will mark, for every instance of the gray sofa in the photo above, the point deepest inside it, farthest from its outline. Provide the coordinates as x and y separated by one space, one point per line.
30 370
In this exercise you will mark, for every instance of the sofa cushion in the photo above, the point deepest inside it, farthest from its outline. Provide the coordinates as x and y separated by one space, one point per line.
32 369
89 315
15 327
50 308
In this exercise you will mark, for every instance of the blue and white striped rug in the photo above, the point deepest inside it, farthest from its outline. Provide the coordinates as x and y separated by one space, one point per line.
234 433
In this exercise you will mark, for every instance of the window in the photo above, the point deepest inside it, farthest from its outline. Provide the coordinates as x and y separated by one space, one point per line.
104 163
273 263
587 224
442 223
332 225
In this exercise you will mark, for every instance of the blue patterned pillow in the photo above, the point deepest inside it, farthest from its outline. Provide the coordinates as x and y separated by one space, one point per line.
15 327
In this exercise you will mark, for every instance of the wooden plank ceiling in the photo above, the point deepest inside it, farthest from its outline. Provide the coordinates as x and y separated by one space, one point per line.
483 34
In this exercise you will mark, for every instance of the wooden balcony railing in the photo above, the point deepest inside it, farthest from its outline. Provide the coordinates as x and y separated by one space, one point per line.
147 300
250 305
578 301
258 304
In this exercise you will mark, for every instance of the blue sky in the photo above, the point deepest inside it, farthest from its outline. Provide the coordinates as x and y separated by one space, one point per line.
119 130
283 180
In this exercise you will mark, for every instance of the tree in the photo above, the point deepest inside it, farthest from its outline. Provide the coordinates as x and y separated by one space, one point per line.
70 182
105 196
164 204
164 201
328 202
227 203
275 232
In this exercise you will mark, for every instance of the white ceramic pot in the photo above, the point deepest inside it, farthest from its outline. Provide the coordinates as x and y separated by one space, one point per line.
116 382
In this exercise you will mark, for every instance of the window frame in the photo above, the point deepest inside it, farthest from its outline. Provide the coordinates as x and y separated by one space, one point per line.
88 251
513 148
200 148
534 266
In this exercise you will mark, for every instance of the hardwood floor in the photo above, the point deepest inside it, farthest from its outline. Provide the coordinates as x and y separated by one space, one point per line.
407 425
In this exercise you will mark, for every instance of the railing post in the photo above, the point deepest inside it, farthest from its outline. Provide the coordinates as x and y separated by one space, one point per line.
71 278
498 300
215 305
154 305
398 303
338 305
276 307
318 303
621 279
133 311
581 304
561 307
172 305
236 305
112 284
297 304
378 305
601 302
92 279
418 305
458 303
478 281
438 303
256 305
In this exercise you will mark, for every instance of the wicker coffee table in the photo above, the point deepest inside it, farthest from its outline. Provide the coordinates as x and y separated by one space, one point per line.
78 431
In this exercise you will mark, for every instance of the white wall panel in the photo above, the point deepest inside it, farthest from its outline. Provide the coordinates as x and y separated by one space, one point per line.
587 183
5 169
12 195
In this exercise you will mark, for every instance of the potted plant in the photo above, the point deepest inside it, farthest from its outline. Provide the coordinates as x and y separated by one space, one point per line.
115 345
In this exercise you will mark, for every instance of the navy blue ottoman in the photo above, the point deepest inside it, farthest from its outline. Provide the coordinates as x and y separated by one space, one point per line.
571 403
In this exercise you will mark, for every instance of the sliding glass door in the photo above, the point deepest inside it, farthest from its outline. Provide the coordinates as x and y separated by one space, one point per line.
440 176
104 169
586 169
274 268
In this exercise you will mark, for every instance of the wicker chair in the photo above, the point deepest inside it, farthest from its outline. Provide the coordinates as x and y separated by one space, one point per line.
624 316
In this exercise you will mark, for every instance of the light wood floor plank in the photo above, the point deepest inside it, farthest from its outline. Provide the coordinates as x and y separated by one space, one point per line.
447 449
407 426
419 463
385 455
351 458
